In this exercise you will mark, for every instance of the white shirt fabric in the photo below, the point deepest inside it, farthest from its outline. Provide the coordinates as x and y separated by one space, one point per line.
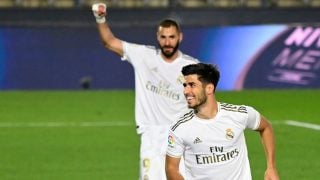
159 91
214 149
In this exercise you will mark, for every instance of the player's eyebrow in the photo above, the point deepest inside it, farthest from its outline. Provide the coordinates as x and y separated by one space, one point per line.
188 84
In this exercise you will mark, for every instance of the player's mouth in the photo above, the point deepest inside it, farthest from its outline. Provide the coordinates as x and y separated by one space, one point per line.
168 48
189 98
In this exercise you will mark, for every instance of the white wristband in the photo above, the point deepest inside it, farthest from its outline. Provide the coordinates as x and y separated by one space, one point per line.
101 20
99 11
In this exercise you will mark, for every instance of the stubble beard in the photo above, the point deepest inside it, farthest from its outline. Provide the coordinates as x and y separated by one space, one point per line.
169 54
202 99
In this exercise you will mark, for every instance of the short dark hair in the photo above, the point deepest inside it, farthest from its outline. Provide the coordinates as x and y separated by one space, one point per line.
207 73
169 22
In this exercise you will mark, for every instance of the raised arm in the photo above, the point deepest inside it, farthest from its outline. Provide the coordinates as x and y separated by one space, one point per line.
267 137
108 39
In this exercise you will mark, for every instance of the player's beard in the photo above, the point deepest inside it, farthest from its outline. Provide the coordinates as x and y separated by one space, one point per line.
200 100
168 54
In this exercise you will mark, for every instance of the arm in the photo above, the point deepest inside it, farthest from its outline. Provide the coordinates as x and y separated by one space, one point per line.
267 136
172 168
108 39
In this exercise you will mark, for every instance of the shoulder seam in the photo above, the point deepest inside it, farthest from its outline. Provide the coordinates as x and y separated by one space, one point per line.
188 116
234 108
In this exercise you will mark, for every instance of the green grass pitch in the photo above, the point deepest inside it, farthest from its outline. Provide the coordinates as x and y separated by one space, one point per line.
90 135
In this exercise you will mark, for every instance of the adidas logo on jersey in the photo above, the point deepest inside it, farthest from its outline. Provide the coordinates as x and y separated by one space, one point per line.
197 140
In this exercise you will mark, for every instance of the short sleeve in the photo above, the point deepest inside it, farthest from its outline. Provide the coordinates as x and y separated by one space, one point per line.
175 145
125 50
254 118
138 54
129 50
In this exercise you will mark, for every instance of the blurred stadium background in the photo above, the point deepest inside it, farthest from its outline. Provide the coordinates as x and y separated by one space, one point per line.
67 104
162 3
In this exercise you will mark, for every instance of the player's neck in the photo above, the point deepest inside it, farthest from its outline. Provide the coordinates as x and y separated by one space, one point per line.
208 110
171 58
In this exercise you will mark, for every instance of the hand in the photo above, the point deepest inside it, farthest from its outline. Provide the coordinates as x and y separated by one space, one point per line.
271 174
99 11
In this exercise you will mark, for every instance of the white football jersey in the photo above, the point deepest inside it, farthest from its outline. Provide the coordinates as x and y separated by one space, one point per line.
214 149
159 91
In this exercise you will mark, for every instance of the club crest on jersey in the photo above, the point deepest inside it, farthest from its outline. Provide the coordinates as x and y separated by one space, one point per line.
170 141
229 134
181 79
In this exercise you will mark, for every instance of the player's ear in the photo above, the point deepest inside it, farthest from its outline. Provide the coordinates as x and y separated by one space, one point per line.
157 34
210 89
180 36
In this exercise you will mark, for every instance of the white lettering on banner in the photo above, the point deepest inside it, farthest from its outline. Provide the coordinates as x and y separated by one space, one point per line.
305 37
299 61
